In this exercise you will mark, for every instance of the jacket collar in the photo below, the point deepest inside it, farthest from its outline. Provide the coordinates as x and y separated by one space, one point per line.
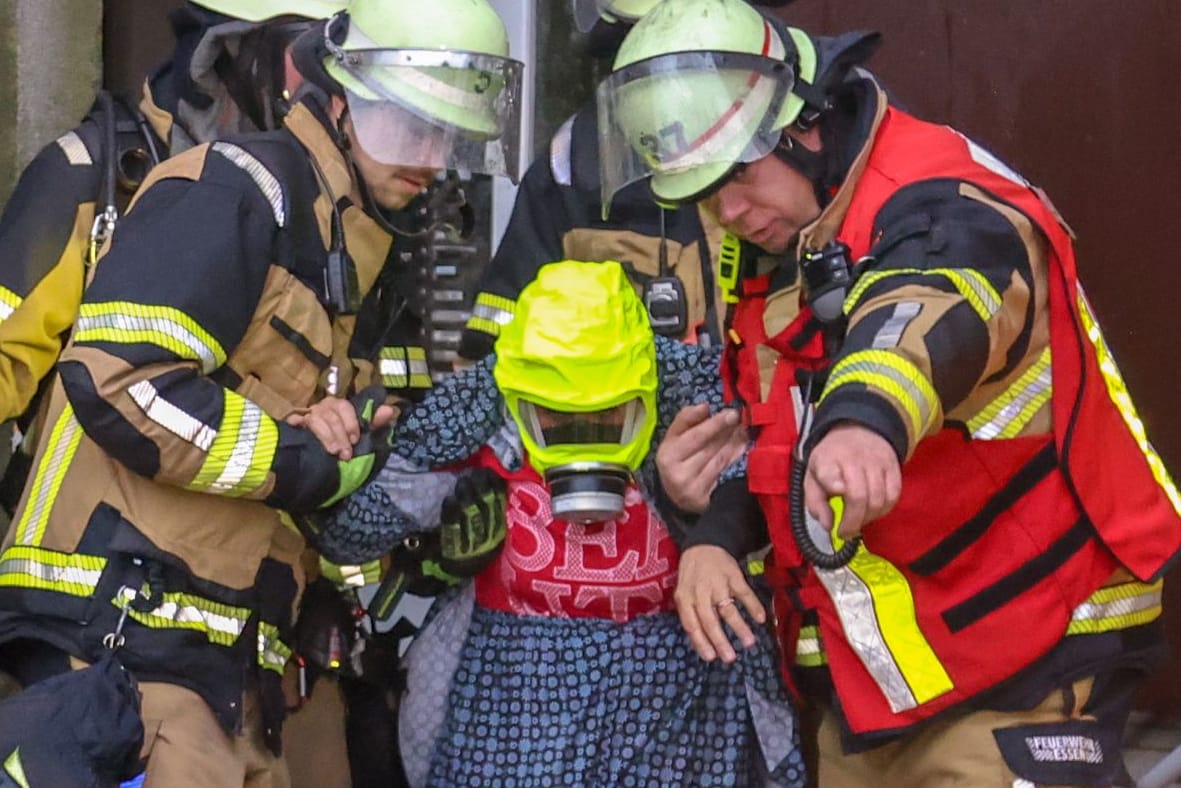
825 227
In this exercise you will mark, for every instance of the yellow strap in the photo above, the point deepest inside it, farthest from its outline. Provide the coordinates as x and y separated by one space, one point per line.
876 608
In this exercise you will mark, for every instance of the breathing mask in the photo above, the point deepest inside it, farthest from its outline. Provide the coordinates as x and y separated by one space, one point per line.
577 369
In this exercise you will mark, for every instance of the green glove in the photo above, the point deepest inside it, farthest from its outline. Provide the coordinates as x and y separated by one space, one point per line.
308 478
473 524
471 532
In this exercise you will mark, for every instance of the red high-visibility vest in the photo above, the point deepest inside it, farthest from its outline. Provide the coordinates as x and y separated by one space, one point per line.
986 561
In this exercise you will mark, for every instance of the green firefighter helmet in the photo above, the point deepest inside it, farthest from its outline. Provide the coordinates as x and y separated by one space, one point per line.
577 367
698 87
429 84
262 10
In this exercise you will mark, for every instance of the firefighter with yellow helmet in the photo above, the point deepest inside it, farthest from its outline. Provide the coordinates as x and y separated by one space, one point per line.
925 374
222 309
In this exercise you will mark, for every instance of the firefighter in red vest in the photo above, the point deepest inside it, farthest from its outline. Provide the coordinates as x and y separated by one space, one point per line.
918 364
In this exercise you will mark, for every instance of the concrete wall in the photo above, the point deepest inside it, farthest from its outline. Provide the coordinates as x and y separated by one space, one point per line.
50 66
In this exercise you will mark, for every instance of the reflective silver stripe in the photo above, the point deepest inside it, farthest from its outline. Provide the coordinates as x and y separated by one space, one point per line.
273 653
499 316
561 153
1016 408
170 417
1092 611
807 646
398 368
67 434
87 323
267 183
240 458
854 605
51 573
75 150
890 334
9 301
176 613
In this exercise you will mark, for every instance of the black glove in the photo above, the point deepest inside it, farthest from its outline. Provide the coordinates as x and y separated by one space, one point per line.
471 533
308 478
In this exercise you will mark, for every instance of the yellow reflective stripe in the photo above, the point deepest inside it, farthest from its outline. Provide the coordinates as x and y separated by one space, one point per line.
351 575
243 451
1117 607
125 323
15 769
59 453
896 376
9 301
876 608
23 566
221 624
404 367
273 653
1008 414
490 312
972 285
1118 392
808 651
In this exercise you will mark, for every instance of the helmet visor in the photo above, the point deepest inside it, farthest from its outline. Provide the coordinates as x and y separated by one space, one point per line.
618 425
586 13
687 118
429 108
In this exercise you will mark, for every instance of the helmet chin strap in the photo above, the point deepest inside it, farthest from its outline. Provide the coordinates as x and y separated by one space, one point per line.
815 165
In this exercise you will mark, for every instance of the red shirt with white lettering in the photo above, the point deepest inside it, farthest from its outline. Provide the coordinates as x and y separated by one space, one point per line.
615 570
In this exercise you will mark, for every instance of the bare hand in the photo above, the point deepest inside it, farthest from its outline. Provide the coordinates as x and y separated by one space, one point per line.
695 451
334 422
858 465
710 586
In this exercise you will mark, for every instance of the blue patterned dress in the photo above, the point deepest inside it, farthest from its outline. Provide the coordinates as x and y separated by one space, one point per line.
529 691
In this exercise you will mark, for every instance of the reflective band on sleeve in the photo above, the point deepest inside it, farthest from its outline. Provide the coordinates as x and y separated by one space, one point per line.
74 149
125 323
890 334
9 302
57 456
490 313
349 575
267 183
273 653
876 609
403 368
22 566
242 452
170 417
1117 607
1118 392
808 651
221 624
15 769
972 285
1008 414
893 374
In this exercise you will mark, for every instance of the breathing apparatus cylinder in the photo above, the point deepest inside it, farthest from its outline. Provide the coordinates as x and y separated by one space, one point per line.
827 275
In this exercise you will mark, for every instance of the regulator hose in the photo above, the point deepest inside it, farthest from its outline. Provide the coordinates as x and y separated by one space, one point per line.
799 521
